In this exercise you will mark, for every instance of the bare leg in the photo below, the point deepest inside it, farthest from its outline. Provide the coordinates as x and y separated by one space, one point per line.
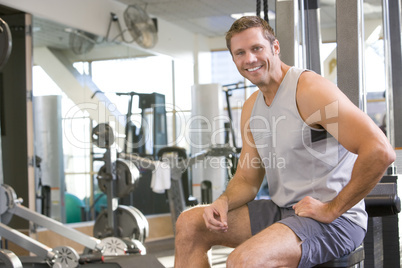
193 239
276 246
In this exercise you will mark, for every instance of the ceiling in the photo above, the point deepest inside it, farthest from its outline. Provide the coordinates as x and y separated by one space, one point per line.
211 18
207 17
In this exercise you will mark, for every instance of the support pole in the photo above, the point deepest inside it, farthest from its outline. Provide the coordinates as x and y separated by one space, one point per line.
312 35
393 67
350 50
287 31
395 62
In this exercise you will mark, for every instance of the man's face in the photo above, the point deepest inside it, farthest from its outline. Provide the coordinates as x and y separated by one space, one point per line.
253 55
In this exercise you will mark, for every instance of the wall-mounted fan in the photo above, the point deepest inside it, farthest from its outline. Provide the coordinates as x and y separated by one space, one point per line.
81 42
141 27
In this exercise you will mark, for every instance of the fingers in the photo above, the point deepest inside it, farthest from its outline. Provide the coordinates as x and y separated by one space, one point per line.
307 207
214 220
312 208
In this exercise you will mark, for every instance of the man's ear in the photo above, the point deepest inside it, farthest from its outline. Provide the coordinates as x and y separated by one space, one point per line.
276 47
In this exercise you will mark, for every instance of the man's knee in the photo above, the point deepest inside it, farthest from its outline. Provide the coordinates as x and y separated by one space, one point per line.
189 223
242 258
235 258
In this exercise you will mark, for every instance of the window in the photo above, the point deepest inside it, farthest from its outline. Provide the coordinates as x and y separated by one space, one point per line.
159 74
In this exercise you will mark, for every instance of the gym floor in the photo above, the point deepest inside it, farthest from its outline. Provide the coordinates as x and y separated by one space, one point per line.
163 250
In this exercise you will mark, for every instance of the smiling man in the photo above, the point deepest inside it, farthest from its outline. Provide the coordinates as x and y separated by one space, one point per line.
332 156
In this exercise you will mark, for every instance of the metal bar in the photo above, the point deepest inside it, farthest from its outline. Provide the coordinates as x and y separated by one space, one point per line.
112 203
196 157
287 32
388 71
395 62
230 118
312 35
145 163
26 242
57 227
139 161
393 65
350 50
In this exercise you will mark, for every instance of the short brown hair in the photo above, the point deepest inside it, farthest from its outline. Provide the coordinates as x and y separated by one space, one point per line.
247 22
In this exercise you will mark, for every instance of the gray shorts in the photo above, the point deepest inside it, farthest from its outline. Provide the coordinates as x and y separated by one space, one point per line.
320 242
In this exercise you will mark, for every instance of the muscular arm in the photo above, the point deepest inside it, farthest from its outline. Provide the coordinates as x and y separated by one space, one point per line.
355 131
244 186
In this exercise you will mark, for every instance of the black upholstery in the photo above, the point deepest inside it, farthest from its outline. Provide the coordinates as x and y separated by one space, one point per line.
356 257
382 201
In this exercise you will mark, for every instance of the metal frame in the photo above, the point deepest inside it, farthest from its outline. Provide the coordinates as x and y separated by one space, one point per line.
393 65
312 35
287 33
350 50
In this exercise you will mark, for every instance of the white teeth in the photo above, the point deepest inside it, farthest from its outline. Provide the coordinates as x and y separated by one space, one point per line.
254 69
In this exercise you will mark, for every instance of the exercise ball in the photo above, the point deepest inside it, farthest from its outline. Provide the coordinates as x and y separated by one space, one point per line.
101 202
73 206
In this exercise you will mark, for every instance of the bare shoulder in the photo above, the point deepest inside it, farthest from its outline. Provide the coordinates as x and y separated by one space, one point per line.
249 103
315 92
314 89
313 83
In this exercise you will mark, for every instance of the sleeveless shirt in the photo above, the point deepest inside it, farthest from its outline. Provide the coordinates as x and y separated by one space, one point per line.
300 160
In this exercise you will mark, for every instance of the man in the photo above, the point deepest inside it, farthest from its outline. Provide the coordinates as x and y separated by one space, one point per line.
321 156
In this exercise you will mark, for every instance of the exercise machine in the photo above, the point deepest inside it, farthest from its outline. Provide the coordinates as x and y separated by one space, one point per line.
117 178
62 256
179 165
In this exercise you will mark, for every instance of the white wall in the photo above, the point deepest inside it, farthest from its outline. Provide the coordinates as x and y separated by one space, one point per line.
94 16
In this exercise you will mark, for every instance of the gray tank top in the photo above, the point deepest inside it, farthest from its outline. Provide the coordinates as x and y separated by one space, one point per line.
299 160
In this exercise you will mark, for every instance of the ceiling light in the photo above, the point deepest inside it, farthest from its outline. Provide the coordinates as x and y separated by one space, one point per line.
271 15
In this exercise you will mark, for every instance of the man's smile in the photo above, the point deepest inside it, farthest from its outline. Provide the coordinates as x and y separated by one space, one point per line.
254 69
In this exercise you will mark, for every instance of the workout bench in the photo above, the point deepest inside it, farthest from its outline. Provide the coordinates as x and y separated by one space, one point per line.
383 201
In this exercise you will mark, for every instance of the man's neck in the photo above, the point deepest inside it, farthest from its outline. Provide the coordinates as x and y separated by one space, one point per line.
269 90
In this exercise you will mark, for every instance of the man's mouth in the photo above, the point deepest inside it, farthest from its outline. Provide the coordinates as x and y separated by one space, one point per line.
254 69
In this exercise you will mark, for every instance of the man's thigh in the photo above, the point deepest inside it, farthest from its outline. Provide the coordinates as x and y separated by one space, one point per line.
324 242
319 242
238 227
275 246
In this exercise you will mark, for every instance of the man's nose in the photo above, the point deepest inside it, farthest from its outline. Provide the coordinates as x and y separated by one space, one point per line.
250 57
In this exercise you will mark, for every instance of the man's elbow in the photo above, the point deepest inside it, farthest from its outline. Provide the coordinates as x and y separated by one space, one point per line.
391 156
386 154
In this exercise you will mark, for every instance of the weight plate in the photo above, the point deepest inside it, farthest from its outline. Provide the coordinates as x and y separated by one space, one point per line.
10 259
134 246
7 203
127 174
113 246
129 224
5 218
144 221
102 135
66 257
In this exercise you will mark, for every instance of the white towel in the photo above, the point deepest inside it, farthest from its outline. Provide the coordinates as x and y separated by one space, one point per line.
160 177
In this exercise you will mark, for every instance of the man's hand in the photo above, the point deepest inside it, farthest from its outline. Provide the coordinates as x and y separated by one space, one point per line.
215 216
312 208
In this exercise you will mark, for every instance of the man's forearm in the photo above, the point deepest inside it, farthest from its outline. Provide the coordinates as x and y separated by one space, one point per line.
239 192
367 172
